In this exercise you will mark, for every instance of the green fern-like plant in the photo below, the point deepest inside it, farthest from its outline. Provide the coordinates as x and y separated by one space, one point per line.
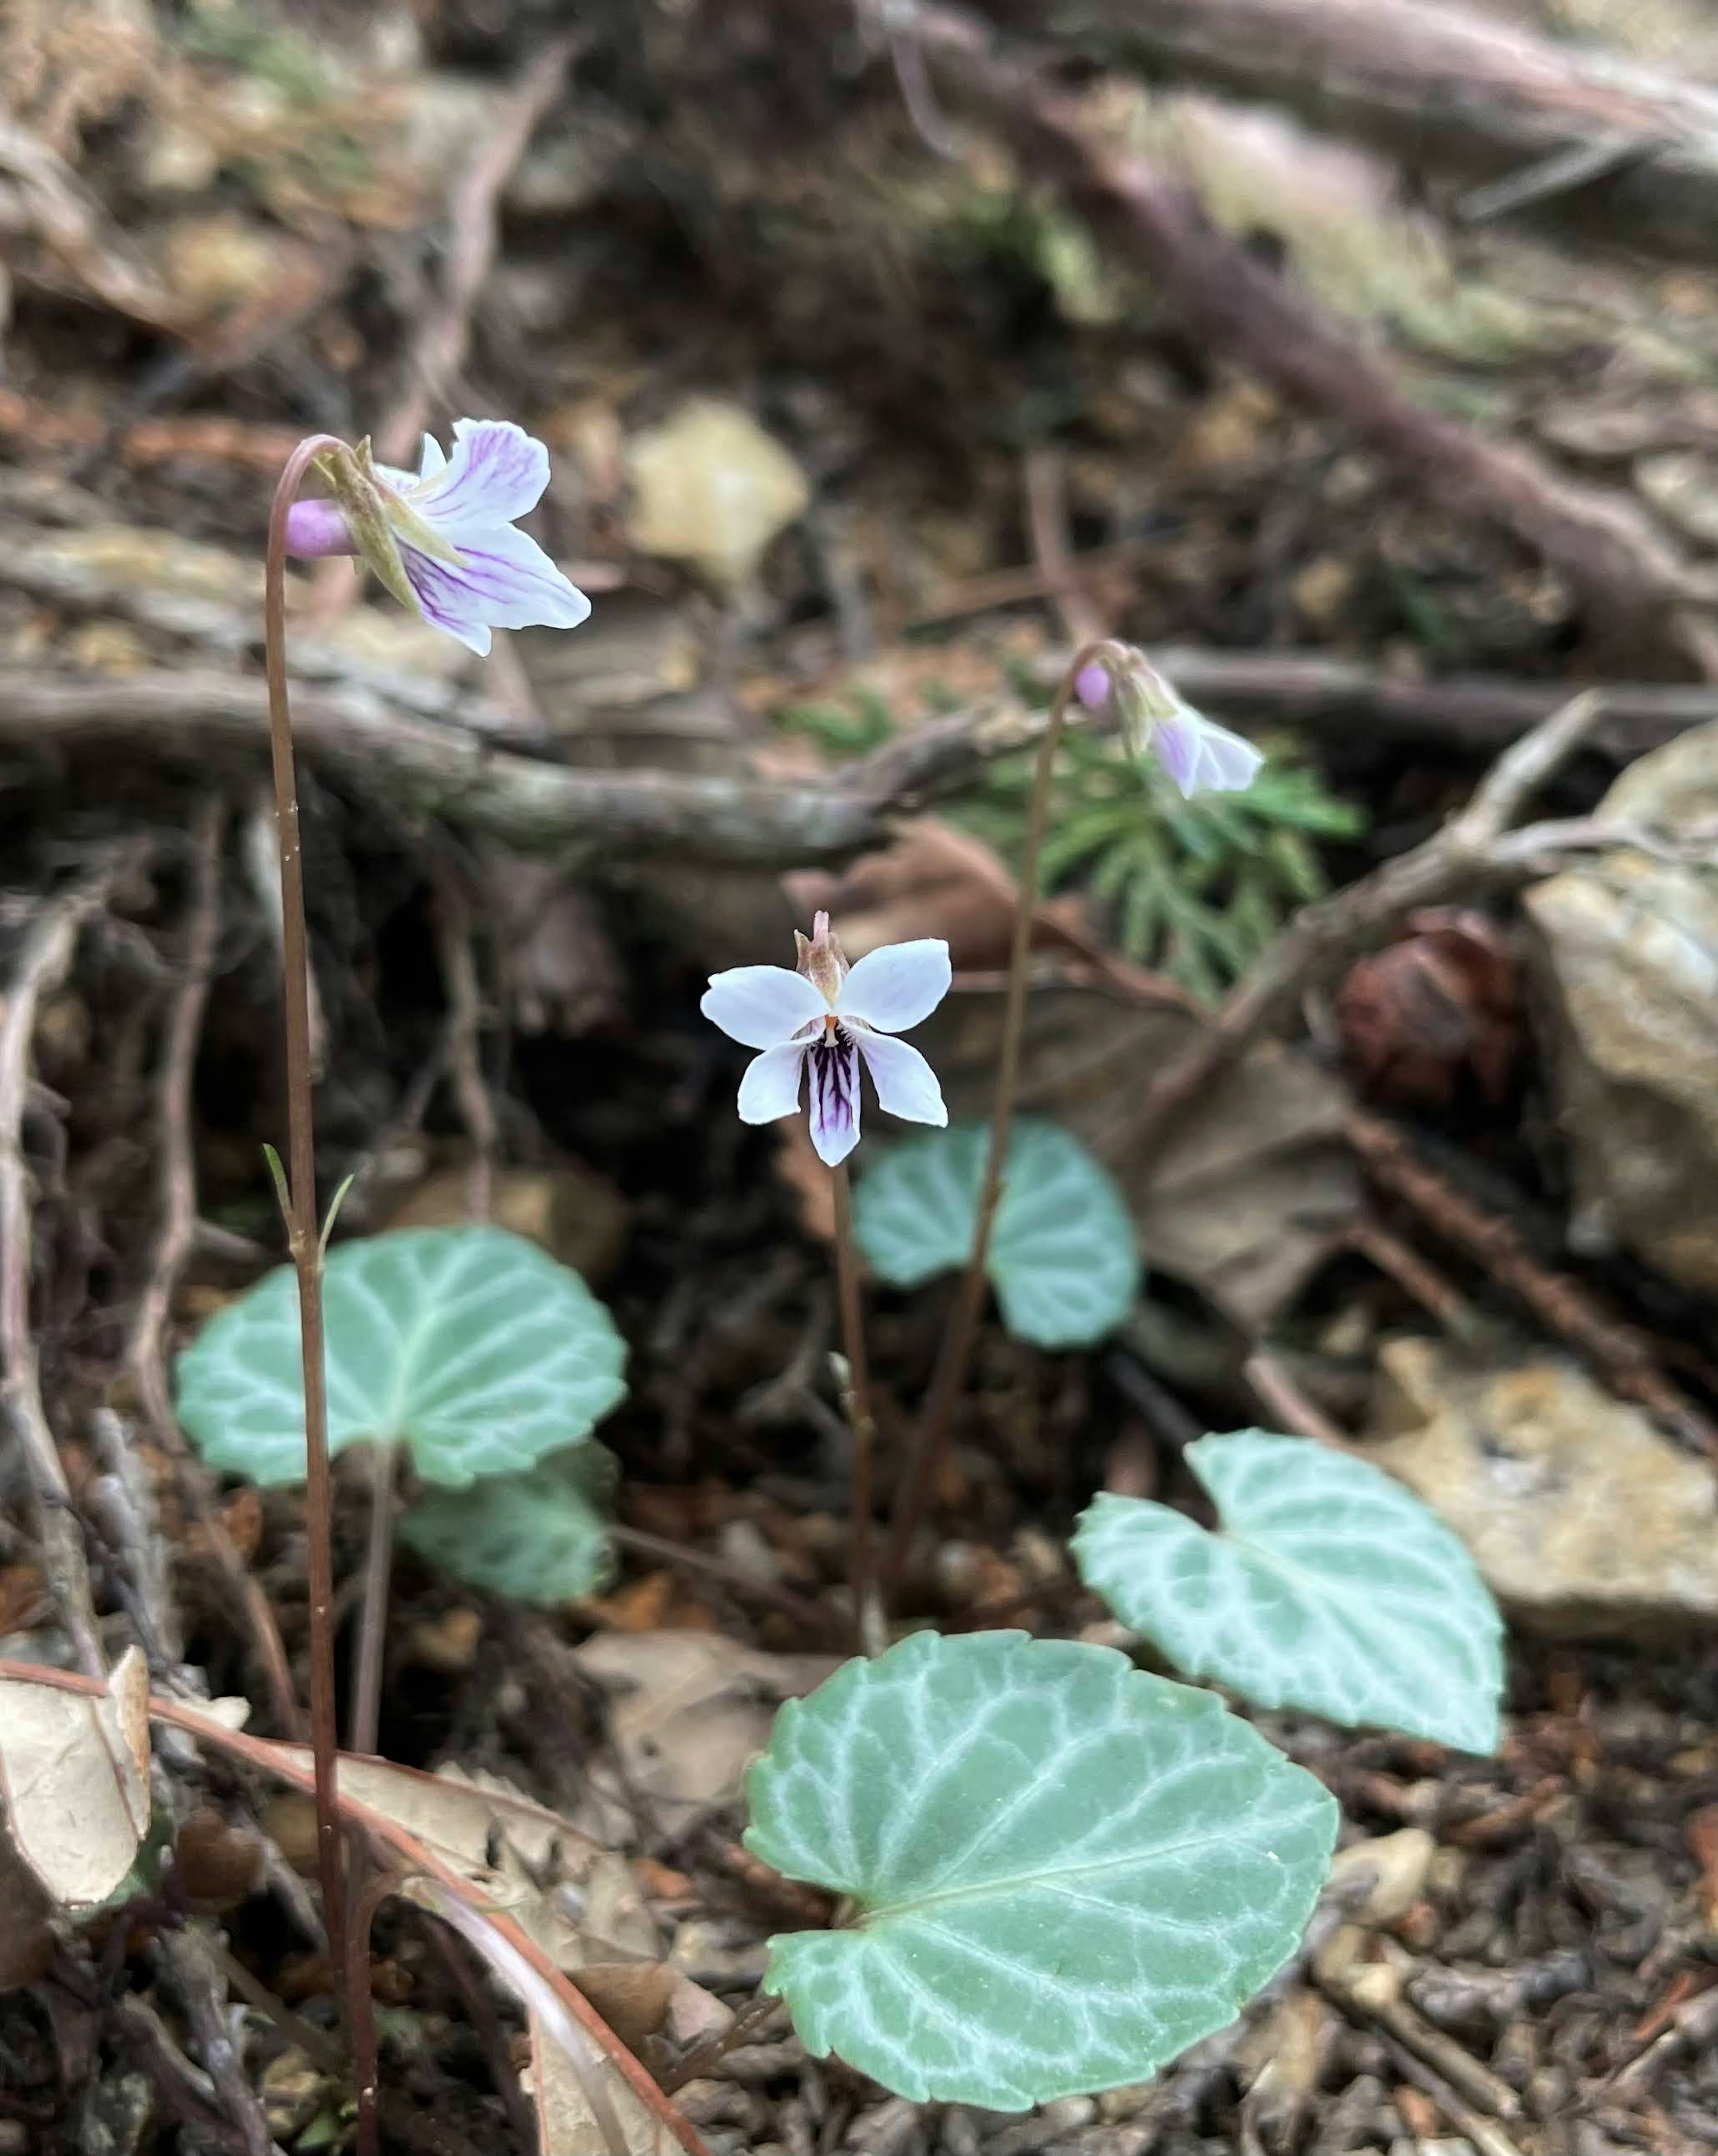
1194 890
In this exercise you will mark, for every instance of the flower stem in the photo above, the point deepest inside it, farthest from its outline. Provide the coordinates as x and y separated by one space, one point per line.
303 1235
930 1435
868 1618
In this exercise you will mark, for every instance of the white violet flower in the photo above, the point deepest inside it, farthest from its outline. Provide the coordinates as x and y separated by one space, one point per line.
441 538
1198 754
821 1021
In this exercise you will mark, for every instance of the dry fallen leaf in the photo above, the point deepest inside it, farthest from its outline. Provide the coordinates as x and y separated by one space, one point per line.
687 1711
74 1780
567 2123
933 880
574 1898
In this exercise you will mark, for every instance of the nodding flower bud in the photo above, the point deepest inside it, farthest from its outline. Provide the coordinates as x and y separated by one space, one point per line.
441 539
1198 755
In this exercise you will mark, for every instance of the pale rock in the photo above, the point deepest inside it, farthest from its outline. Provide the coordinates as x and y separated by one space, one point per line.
712 489
1385 1875
219 261
1683 485
1585 1522
1624 949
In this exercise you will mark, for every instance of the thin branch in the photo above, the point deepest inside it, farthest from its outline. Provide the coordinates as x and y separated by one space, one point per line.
416 768
1568 111
465 1039
1285 1401
1471 849
44 962
371 1651
441 341
1624 1353
176 1239
1234 305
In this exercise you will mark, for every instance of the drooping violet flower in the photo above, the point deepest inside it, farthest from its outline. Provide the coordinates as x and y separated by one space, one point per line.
1199 755
820 1021
441 539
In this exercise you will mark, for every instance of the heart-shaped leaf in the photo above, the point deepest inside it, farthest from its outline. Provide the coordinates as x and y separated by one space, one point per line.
1062 1258
471 1346
1065 1872
542 1536
1327 1586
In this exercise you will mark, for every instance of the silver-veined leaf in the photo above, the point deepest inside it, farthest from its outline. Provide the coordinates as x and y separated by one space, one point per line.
1326 1586
1063 1871
471 1346
1062 1259
540 1536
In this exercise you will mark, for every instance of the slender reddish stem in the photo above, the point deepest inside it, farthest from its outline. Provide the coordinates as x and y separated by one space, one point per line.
930 1436
867 1607
303 1230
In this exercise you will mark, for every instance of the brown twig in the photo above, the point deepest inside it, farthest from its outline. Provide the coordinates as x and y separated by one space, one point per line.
44 962
870 1596
930 1435
1624 1354
745 2026
1466 854
465 1039
369 1654
1286 1402
303 1232
200 1978
1439 1297
149 441
1047 518
70 222
393 754
1231 302
176 1238
440 342
1526 98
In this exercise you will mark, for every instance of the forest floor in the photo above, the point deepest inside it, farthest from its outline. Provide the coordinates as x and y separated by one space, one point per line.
884 361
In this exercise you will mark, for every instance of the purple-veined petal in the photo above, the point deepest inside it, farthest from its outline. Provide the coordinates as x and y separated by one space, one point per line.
762 1006
317 528
832 1063
431 460
770 1088
906 1085
502 581
1175 744
898 985
497 472
1227 764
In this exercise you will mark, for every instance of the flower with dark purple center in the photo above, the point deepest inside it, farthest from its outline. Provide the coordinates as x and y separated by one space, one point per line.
814 1026
442 537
